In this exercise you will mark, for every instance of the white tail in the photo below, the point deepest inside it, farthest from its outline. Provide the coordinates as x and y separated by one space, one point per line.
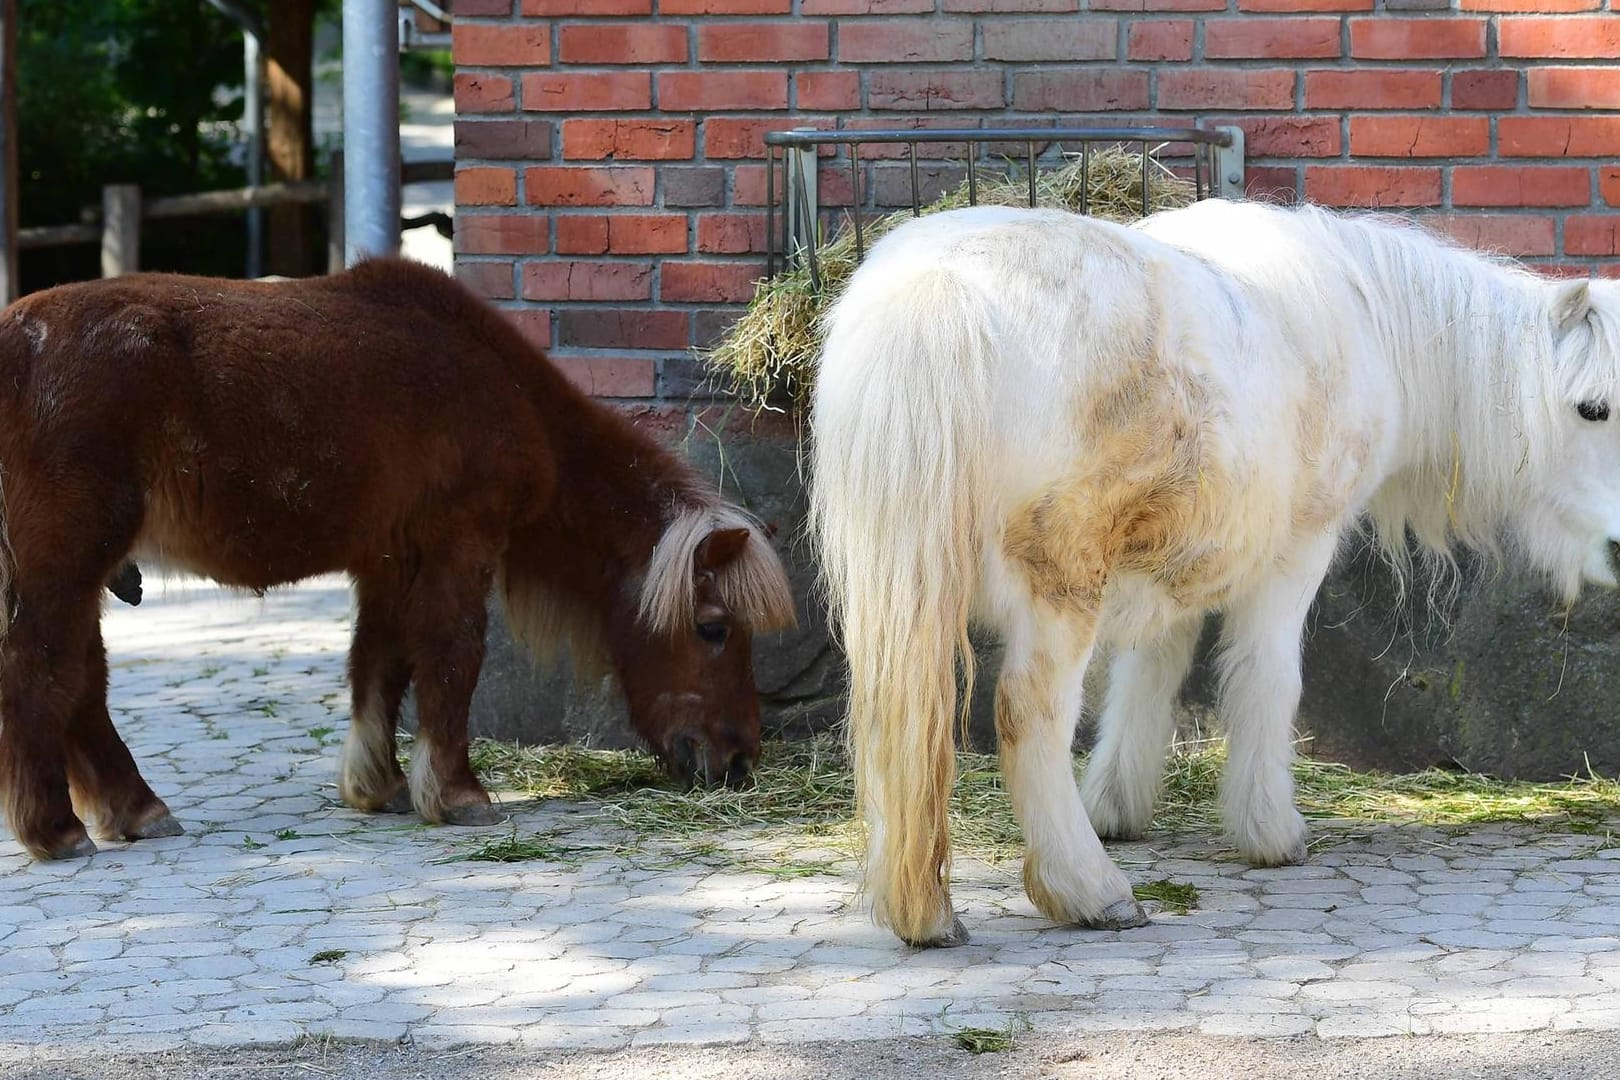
899 428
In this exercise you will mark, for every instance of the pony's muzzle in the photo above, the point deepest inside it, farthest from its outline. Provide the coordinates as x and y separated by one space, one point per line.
693 759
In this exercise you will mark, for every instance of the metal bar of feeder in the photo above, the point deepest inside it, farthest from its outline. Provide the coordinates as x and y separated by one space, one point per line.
855 198
1085 177
1030 150
916 194
1146 202
973 178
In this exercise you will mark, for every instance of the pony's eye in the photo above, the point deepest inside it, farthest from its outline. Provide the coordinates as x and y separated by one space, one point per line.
1594 411
714 633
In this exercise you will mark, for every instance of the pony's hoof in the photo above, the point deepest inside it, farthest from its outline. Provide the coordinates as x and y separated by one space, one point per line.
161 825
81 847
1120 915
473 814
956 935
397 803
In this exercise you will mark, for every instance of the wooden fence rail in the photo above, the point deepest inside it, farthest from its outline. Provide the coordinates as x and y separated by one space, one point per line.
117 223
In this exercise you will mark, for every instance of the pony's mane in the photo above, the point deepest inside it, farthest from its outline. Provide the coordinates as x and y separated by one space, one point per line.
1472 339
752 585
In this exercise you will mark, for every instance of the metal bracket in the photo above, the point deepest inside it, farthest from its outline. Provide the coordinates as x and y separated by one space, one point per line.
803 202
1229 180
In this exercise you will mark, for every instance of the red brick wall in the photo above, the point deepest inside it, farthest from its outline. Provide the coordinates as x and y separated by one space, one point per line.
610 188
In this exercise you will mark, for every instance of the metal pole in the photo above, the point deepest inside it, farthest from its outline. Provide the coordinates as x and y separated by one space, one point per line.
253 123
120 229
8 151
370 129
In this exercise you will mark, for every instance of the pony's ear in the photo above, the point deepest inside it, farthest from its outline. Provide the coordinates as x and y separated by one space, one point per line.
1572 302
719 549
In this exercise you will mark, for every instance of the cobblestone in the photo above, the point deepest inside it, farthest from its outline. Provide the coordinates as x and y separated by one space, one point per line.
282 915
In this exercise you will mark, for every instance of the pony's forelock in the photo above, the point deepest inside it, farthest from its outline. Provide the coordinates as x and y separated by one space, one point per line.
753 585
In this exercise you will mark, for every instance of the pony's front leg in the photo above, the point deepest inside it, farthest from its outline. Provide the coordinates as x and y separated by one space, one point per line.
1122 779
445 636
1260 686
1067 874
369 777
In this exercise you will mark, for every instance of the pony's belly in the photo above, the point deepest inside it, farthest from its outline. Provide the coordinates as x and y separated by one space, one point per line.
249 553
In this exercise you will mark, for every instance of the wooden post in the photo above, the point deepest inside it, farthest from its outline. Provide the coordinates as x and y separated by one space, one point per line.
334 213
120 229
8 152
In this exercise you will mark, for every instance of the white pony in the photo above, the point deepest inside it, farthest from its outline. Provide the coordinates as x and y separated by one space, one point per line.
1075 431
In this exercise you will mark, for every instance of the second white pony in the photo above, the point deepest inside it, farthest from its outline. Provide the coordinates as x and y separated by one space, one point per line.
1074 431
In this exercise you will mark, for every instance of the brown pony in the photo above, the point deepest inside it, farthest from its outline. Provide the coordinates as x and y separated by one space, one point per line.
384 422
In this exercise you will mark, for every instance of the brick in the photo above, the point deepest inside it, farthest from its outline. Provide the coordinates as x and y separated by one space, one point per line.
479 7
731 234
708 282
1251 38
574 279
481 93
1518 185
1529 5
707 91
891 184
905 41
1271 184
506 45
1507 234
1558 136
1372 185
629 140
1490 89
1083 90
865 7
710 325
1279 6
724 7
1419 136
1290 136
1417 5
1160 39
1609 184
586 9
1573 88
502 234
726 137
521 139
1225 88
1562 37
486 185
617 328
488 279
533 323
586 91
589 185
1373 88
834 91
610 376
762 43
1011 7
1386 38
693 186
1594 235
1067 40
955 88
1158 5
582 234
622 43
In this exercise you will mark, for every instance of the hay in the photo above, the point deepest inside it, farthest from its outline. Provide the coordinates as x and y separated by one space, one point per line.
771 350
796 820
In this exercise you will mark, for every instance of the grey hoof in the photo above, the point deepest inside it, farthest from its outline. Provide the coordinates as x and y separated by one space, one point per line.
473 814
956 935
398 803
1120 915
82 848
1294 856
162 825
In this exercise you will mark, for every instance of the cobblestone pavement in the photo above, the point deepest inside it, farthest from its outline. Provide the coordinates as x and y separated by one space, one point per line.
282 915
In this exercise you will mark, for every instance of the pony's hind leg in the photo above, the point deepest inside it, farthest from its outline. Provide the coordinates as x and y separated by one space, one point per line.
105 783
1260 688
1122 779
445 620
370 777
1067 874
41 669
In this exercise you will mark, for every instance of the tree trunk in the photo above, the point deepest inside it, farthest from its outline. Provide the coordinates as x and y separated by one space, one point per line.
290 81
